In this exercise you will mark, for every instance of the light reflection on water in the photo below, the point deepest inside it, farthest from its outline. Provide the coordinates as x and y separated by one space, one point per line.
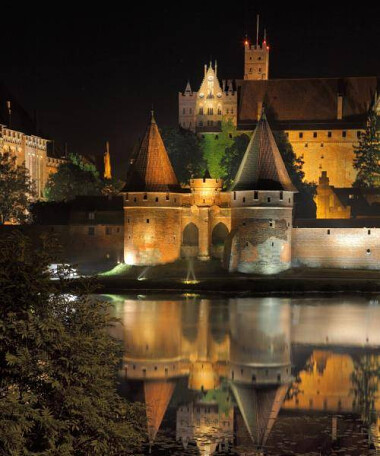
252 376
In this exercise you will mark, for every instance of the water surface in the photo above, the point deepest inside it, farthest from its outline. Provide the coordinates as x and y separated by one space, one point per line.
249 376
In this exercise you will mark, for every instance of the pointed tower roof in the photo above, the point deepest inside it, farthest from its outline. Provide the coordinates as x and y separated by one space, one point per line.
188 88
262 167
152 170
157 397
259 408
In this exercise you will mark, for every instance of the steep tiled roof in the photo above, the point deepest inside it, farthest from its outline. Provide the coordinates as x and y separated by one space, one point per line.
152 170
262 167
259 408
292 102
157 397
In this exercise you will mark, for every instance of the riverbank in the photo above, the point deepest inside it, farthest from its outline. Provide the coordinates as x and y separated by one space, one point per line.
210 277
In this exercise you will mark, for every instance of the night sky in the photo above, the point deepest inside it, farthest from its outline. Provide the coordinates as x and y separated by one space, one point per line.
92 73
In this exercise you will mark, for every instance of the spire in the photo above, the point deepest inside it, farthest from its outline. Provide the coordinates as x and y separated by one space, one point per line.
257 29
107 162
157 397
188 90
152 170
259 408
262 167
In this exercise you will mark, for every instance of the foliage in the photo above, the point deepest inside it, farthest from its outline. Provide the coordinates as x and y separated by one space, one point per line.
304 200
233 156
185 153
214 147
73 178
16 190
365 383
367 155
58 364
111 187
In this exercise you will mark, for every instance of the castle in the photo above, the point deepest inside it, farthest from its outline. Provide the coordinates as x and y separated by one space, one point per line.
322 118
19 136
250 227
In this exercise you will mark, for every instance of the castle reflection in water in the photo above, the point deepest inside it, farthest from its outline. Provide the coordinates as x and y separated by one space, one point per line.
253 376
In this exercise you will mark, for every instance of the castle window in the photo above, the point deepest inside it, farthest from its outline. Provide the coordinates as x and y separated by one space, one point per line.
328 231
246 244
300 135
145 196
216 137
259 58
259 70
156 200
200 124
358 134
91 231
369 232
368 251
344 134
287 134
281 196
230 134
253 378
126 197
91 215
234 195
167 197
268 199
255 195
201 111
232 110
329 134
108 230
210 111
219 112
271 223
134 199
322 145
147 220
315 134
306 145
243 199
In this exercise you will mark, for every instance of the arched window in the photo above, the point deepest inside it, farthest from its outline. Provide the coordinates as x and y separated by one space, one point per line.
190 235
219 234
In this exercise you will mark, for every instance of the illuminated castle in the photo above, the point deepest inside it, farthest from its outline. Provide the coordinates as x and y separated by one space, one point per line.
322 118
250 226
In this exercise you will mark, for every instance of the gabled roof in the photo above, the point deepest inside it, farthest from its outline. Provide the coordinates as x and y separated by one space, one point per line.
152 170
262 167
301 102
259 408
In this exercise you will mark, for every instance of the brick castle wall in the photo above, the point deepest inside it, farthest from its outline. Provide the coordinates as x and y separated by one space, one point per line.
336 248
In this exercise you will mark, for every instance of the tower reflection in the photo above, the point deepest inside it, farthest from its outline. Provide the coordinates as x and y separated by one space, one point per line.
215 374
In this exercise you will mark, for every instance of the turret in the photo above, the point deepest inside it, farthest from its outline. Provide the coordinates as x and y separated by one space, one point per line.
256 58
261 208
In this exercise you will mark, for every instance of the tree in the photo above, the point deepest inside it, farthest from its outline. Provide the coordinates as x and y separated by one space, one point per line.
233 156
73 178
58 364
16 190
367 155
215 146
185 153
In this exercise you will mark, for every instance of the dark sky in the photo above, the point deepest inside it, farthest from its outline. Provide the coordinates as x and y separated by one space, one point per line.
93 72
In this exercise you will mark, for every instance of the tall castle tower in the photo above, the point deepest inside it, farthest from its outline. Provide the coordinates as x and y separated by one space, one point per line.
261 209
256 58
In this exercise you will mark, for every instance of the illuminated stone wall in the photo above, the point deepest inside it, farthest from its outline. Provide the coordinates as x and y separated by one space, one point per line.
326 150
336 248
152 229
31 150
260 239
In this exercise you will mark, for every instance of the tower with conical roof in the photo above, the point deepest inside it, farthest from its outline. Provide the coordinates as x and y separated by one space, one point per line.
260 363
261 208
152 204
